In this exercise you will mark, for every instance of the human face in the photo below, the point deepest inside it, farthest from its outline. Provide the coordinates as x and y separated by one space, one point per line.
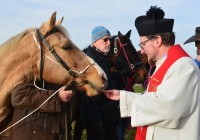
197 44
103 44
148 47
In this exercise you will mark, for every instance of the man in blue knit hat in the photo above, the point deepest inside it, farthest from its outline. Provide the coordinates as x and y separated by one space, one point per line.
101 39
100 115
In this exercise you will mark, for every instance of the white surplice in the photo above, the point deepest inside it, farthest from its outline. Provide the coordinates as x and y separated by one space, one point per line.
173 111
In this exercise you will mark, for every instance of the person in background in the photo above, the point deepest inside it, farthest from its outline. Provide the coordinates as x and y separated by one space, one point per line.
196 38
170 108
47 123
100 115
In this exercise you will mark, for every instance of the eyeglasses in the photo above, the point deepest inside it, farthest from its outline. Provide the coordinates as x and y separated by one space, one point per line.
142 44
105 39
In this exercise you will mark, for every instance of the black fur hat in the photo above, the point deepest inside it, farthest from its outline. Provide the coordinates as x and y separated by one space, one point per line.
153 22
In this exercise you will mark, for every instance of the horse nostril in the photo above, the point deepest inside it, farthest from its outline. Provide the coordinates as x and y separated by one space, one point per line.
104 78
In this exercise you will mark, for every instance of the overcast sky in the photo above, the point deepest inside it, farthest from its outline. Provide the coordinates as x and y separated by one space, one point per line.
81 16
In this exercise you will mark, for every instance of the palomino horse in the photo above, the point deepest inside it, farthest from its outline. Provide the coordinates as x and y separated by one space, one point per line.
45 53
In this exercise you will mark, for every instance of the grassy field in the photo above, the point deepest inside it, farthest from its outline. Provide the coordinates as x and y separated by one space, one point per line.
130 134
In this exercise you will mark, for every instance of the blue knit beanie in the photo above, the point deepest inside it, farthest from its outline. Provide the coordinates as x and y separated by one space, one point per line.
99 32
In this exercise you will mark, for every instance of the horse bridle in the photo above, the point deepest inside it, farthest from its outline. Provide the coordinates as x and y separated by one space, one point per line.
116 52
73 73
129 79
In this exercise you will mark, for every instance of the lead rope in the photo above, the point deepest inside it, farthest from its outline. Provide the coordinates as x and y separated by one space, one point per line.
31 112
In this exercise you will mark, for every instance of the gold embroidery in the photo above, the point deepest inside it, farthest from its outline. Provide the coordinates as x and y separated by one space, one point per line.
155 79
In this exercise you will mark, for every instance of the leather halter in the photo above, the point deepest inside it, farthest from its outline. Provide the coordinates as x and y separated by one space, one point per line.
43 41
116 52
57 57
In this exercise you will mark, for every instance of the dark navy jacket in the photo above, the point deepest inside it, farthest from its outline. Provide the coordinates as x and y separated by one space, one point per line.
100 109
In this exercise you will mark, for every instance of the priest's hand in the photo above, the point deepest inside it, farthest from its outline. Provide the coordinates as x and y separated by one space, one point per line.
112 94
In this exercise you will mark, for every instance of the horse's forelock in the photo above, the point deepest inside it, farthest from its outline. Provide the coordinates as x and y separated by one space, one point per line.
63 30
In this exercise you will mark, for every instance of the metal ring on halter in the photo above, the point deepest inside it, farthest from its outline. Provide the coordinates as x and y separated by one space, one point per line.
115 50
132 66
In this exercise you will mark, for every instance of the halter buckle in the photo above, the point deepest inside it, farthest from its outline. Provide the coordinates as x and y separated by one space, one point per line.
115 50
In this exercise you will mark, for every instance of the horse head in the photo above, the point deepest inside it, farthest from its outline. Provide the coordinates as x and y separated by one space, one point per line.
125 58
75 67
150 65
46 53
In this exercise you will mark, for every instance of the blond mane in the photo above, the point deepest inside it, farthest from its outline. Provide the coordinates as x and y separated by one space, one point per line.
11 43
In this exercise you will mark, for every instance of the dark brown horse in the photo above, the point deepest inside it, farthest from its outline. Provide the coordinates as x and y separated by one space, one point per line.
150 66
45 53
126 60
130 68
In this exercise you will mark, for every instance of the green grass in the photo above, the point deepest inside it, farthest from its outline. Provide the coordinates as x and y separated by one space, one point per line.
138 88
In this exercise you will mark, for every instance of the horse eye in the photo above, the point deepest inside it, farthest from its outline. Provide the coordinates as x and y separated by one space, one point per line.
66 47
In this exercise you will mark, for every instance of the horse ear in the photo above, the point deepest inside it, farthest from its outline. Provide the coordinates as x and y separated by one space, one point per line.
128 34
119 34
59 22
52 21
47 26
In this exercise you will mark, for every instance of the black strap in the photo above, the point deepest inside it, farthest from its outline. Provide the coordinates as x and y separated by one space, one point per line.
57 57
41 62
